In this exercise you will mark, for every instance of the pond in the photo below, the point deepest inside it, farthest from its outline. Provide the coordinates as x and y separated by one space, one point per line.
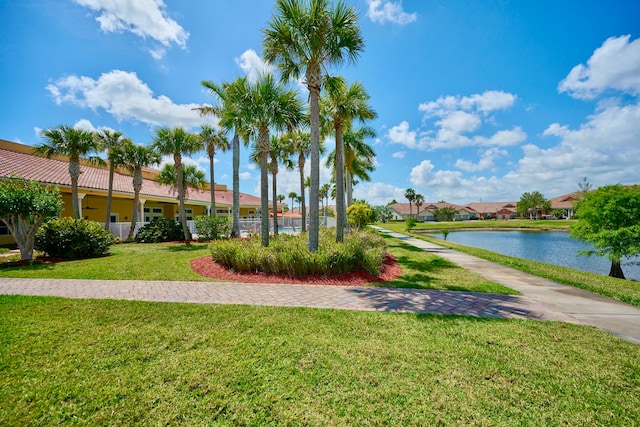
551 247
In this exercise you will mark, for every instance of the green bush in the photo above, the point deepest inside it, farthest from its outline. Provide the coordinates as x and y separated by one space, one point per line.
73 238
160 230
287 254
411 223
213 227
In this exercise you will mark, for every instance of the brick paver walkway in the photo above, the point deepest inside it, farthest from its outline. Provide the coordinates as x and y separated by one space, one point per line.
337 297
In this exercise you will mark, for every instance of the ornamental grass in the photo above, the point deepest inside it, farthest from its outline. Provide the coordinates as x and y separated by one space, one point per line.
288 254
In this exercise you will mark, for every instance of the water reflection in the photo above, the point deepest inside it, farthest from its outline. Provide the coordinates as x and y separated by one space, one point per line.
552 247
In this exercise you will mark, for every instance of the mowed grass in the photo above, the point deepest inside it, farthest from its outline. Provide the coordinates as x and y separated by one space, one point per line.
171 262
97 362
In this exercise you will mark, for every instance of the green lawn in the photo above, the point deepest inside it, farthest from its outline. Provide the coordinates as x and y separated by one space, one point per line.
623 290
97 362
171 262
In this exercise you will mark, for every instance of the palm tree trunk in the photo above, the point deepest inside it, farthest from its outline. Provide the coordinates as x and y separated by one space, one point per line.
212 211
314 83
107 219
181 211
137 185
303 210
274 172
235 232
616 270
74 173
263 148
339 165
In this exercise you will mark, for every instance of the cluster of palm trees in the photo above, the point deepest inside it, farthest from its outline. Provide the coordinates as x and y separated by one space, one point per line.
122 152
414 198
303 40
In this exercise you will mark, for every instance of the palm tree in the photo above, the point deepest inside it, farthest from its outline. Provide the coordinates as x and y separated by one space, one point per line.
340 105
269 105
358 158
72 142
410 195
230 98
301 144
304 38
213 140
176 142
293 195
419 201
278 152
192 177
109 140
134 158
324 193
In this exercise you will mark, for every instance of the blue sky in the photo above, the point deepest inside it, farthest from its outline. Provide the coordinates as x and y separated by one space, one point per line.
476 100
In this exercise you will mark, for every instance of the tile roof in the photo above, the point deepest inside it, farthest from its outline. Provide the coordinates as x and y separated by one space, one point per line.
403 208
56 172
491 207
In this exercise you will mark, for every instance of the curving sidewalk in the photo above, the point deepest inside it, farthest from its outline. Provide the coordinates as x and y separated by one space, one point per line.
541 299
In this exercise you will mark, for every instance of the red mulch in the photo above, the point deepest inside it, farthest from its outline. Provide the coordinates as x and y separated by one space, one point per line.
205 266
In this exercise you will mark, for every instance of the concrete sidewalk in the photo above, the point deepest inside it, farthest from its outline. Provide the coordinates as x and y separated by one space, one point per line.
582 306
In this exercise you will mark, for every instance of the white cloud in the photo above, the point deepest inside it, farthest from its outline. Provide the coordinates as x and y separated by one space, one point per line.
382 11
456 118
244 175
124 96
614 65
399 154
487 161
186 161
252 65
144 18
378 193
424 175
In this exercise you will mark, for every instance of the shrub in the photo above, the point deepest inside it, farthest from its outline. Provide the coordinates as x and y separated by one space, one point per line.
213 227
160 230
73 238
410 223
362 250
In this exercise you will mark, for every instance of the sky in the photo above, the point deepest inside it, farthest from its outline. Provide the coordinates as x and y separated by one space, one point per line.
477 101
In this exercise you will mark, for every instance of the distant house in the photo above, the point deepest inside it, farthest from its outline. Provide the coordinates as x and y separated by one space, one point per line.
566 202
426 212
157 200
494 210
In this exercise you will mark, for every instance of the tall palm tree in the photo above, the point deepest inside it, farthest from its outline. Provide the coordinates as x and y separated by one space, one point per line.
192 177
269 105
359 158
410 195
134 158
176 142
230 98
108 140
213 140
71 142
341 105
303 39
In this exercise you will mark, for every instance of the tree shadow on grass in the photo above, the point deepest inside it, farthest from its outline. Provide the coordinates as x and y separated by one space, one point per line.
185 248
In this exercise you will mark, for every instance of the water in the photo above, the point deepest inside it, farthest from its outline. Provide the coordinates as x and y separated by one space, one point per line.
551 247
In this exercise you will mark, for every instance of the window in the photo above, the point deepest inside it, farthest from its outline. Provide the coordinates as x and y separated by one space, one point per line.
115 217
188 213
4 230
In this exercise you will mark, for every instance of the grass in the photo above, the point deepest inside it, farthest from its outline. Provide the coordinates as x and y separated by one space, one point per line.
100 362
141 261
424 270
623 290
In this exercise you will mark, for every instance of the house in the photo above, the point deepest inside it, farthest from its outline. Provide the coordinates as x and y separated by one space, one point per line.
157 200
566 202
426 211
494 210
